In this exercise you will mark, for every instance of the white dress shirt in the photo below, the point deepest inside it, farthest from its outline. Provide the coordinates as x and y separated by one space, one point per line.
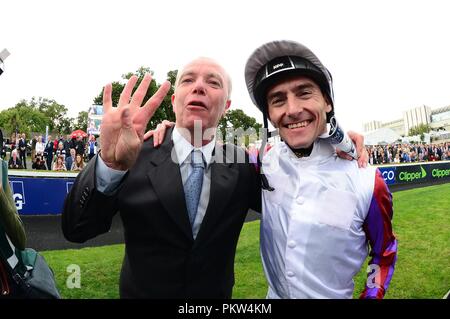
40 147
108 179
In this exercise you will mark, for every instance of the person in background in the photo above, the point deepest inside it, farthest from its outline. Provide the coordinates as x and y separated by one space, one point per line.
48 152
39 163
70 159
91 147
78 164
40 146
61 151
79 145
59 164
33 149
73 142
55 144
23 150
14 161
66 143
13 143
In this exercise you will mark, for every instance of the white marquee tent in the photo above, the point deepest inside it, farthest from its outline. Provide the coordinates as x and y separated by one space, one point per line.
381 136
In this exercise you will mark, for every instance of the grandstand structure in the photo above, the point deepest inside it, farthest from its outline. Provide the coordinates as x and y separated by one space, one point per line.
438 119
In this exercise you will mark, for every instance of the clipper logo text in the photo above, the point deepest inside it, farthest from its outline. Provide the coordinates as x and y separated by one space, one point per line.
440 173
411 176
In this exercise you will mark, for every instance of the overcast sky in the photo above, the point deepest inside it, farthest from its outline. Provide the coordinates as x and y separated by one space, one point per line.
385 56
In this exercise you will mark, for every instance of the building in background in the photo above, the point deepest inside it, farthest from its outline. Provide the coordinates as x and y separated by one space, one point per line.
372 126
438 119
415 117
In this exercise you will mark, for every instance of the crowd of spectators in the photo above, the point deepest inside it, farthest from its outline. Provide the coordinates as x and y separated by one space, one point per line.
59 154
408 153
71 153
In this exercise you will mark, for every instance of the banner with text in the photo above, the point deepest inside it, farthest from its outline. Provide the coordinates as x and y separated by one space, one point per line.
40 196
416 174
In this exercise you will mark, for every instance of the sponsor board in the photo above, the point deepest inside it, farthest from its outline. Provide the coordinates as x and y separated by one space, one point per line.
421 173
388 174
438 173
40 196
412 174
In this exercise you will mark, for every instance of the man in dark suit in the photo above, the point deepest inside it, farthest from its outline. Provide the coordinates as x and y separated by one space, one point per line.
48 152
182 204
79 145
23 150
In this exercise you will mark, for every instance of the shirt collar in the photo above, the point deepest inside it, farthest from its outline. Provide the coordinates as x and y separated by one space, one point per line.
183 148
321 150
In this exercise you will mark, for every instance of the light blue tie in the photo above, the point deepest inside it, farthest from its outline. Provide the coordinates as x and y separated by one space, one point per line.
193 186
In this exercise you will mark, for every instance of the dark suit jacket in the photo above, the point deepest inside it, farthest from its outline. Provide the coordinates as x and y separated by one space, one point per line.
162 260
22 146
48 151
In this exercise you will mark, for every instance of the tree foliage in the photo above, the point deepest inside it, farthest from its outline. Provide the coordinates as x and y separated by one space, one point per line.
65 125
82 121
24 117
419 130
117 88
35 115
235 123
55 112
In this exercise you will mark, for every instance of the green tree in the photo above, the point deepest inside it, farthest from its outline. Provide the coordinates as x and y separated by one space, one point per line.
422 137
82 121
117 88
164 112
23 118
55 112
235 123
420 129
65 125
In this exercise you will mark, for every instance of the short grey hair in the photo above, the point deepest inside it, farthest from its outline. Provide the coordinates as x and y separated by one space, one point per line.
225 73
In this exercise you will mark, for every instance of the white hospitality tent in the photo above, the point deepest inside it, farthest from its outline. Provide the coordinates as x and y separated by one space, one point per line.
381 136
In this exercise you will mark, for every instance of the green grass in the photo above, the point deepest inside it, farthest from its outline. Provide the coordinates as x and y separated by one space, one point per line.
250 281
99 270
421 224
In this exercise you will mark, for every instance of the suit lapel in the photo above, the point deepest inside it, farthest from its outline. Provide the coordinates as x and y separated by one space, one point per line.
224 177
165 177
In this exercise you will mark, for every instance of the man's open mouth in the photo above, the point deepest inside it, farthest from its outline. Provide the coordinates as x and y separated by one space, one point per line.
197 103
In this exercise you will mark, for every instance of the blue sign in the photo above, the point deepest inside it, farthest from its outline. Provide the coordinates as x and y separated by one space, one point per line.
388 174
40 196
